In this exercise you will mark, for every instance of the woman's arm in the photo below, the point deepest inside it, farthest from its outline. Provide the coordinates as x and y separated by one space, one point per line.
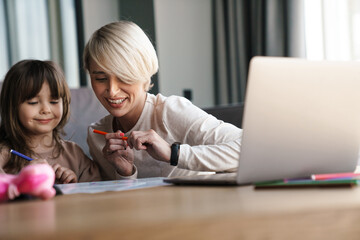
208 144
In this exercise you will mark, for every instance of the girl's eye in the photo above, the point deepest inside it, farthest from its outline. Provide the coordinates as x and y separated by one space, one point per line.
55 101
32 102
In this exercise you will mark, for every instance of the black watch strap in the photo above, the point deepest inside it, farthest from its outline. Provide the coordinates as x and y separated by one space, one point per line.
174 157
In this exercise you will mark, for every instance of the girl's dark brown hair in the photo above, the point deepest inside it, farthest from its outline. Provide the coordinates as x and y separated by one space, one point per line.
22 82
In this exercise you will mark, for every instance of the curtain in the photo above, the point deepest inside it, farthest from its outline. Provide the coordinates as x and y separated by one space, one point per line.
247 28
331 29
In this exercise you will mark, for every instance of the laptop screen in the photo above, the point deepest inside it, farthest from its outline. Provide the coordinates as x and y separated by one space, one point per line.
301 117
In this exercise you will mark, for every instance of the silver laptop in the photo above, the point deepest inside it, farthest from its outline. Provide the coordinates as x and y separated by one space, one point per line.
301 118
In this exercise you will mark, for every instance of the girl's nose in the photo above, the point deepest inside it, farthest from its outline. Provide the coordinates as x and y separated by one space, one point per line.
45 108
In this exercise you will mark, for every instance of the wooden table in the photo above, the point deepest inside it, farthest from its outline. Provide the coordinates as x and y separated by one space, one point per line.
174 212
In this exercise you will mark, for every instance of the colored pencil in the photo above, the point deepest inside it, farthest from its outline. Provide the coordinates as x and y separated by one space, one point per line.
308 183
21 155
334 176
104 133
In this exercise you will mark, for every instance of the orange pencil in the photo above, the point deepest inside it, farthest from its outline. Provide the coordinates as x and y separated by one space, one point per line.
104 133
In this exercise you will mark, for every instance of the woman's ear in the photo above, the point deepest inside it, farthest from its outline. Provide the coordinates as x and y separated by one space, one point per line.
148 85
145 86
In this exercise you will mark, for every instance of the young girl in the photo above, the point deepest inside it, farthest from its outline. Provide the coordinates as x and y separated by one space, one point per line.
35 102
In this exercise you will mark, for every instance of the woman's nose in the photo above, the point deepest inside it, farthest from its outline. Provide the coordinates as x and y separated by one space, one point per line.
113 86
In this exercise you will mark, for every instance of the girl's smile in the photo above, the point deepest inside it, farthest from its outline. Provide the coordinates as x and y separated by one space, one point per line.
43 121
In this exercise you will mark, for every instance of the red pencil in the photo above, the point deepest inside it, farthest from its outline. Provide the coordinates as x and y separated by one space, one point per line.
334 176
104 133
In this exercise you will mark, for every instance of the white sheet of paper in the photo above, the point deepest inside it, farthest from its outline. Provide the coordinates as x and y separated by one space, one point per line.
113 185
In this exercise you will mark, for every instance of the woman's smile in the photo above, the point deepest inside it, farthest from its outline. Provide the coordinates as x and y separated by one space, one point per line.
116 103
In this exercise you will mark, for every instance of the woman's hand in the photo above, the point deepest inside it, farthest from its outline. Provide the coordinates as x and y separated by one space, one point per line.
118 154
63 174
151 142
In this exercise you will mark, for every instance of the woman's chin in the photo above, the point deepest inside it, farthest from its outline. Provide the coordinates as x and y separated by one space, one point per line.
116 112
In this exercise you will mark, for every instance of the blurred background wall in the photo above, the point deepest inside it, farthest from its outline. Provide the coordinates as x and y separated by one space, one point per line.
204 46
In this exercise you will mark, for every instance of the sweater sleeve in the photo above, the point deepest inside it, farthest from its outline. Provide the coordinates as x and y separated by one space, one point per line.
4 157
208 144
88 169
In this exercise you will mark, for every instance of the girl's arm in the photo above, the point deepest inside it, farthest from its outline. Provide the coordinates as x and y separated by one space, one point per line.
89 170
4 157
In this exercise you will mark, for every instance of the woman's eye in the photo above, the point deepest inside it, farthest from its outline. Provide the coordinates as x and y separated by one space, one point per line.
100 79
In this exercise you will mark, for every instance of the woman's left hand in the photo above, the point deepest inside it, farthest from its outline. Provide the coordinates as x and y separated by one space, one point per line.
118 154
151 142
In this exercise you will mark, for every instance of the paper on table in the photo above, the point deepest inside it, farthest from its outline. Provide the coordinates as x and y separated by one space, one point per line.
113 185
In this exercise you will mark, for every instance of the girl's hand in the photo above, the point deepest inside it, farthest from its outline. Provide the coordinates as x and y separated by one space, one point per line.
119 154
63 174
151 142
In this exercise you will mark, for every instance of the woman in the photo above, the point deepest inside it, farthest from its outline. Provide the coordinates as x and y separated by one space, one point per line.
167 136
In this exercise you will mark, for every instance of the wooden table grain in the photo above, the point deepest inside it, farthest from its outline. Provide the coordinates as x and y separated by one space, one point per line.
184 212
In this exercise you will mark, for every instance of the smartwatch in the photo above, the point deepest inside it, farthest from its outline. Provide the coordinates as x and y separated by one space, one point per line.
174 157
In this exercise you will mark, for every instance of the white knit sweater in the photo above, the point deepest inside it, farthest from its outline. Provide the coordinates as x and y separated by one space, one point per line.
207 144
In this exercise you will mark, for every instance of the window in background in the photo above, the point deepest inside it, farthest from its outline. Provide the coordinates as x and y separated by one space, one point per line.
330 29
32 30
40 29
71 58
4 56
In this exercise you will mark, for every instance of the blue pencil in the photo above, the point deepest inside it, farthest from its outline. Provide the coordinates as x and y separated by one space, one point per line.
21 155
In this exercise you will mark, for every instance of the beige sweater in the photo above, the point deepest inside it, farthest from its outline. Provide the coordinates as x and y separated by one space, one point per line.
72 157
208 144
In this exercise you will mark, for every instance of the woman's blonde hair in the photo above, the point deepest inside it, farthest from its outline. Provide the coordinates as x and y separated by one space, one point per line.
22 82
123 49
